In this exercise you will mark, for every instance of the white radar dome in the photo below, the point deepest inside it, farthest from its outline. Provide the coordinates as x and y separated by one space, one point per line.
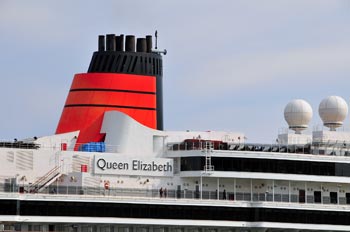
298 114
333 110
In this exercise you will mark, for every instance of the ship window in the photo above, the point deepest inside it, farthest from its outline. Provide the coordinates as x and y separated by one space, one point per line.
317 196
347 195
192 163
301 196
267 166
334 197
37 228
86 228
9 228
123 229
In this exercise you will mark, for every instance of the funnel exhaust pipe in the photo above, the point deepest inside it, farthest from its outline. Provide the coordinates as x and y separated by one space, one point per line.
110 42
101 43
141 45
149 43
130 43
119 43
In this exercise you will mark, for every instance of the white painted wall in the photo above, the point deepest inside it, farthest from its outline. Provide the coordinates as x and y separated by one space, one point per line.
331 136
289 138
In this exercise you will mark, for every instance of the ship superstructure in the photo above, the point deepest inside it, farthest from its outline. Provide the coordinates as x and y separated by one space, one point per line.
111 166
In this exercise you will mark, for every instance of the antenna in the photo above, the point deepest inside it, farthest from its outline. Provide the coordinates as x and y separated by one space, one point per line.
156 47
156 35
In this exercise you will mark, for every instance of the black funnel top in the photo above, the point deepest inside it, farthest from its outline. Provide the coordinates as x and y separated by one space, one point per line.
111 58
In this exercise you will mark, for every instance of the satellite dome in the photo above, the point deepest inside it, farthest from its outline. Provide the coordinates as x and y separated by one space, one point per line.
333 111
298 114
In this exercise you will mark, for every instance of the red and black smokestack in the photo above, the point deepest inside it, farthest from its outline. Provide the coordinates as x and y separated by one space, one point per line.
120 78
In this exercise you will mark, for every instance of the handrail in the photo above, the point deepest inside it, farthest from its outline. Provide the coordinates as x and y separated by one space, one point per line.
99 193
308 149
47 176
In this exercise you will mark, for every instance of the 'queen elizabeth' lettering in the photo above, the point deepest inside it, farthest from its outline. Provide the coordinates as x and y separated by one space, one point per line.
109 164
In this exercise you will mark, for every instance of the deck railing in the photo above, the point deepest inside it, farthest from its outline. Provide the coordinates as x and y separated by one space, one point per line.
178 194
337 148
331 149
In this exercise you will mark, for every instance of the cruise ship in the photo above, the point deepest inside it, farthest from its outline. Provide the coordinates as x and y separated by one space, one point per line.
111 167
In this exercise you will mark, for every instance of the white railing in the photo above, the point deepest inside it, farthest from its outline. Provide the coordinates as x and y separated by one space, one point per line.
174 195
330 149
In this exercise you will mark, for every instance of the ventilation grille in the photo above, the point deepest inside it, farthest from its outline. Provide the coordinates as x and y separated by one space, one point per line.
91 182
24 160
10 157
126 62
80 160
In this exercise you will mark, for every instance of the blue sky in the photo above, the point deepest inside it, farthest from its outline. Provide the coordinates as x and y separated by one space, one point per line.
231 65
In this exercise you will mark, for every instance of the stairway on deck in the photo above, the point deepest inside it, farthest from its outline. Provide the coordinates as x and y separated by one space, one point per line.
45 180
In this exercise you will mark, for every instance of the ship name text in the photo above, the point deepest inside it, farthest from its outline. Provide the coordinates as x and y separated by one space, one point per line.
116 165
135 165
